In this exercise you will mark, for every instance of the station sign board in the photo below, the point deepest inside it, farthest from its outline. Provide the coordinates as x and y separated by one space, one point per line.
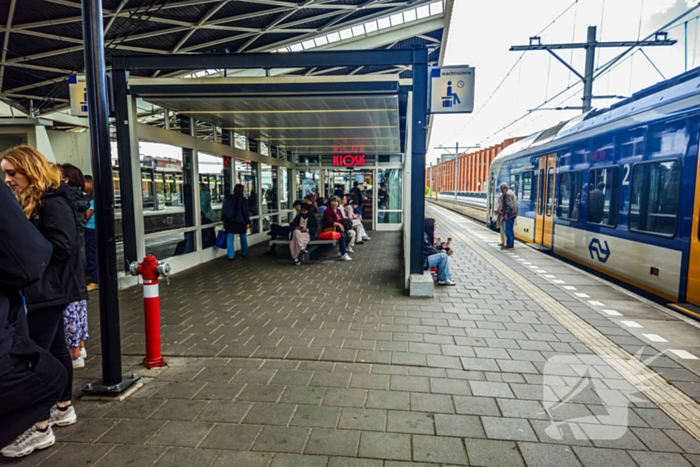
349 160
451 89
77 88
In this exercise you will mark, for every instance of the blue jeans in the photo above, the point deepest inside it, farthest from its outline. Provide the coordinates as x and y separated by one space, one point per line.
510 236
442 263
343 246
230 248
91 254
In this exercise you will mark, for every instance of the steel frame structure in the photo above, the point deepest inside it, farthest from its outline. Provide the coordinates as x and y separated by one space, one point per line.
281 11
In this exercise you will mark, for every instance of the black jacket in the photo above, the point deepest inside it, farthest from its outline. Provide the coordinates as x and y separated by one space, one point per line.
63 281
428 250
311 225
241 216
24 254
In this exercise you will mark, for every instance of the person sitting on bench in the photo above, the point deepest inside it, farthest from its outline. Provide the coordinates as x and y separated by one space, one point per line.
331 223
349 213
281 231
303 229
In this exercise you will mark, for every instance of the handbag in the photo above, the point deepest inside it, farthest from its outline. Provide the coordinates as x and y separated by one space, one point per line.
220 239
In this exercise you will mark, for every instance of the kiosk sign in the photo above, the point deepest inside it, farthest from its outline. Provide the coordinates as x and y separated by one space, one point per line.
349 161
451 89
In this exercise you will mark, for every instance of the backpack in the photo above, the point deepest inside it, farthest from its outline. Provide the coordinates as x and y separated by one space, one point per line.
227 208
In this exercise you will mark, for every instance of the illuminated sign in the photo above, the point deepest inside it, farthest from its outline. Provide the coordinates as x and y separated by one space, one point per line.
227 161
598 156
349 161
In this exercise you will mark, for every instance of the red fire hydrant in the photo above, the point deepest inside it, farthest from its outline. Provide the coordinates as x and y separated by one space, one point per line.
150 269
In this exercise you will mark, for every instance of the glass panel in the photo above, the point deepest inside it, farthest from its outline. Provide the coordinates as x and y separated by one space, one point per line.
170 245
240 141
409 15
267 221
247 175
569 195
307 183
540 193
285 188
550 189
209 236
396 19
268 182
383 23
384 217
211 187
654 197
389 191
514 183
603 196
527 186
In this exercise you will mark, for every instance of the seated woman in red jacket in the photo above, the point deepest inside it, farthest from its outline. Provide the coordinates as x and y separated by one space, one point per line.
331 223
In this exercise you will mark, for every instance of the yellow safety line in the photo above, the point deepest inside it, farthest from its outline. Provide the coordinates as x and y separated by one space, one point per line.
681 408
675 305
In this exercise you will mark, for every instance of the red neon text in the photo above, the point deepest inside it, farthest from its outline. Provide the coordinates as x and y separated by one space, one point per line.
349 161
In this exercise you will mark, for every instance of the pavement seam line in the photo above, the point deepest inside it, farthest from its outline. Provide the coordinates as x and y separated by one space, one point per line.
676 404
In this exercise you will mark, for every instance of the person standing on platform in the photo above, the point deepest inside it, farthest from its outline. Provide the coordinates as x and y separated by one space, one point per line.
500 225
31 379
510 212
91 246
236 220
88 186
48 204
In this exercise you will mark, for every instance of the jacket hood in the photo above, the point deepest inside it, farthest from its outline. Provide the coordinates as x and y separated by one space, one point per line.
62 190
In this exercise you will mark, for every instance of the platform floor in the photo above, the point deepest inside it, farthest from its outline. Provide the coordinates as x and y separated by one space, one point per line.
331 365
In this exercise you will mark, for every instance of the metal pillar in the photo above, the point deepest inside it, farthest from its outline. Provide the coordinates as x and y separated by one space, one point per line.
418 137
590 69
93 37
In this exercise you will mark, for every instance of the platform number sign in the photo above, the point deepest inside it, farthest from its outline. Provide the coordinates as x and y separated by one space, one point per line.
451 89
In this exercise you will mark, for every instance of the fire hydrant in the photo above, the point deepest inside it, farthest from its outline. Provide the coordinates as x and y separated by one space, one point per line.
150 269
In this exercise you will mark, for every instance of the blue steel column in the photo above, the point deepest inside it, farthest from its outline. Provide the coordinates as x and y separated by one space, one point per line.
418 136
95 75
125 167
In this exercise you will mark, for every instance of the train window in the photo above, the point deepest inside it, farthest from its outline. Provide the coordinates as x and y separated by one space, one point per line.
654 197
632 143
540 193
603 196
527 186
569 195
550 190
513 185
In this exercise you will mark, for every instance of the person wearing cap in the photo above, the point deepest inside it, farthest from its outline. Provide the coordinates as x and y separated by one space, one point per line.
304 228
281 231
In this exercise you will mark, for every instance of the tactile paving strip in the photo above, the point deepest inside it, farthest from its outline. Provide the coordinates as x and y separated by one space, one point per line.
681 408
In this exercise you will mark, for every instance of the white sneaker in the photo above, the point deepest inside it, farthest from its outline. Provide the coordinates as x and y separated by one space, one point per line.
447 282
29 441
350 250
83 352
79 363
364 239
62 417
346 257
297 262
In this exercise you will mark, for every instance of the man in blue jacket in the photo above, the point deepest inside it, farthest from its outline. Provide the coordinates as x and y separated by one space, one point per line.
31 379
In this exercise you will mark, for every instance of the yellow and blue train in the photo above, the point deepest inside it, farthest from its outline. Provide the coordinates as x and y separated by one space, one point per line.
616 190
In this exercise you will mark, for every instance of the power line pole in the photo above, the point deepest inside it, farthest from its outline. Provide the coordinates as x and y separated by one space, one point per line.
456 159
590 46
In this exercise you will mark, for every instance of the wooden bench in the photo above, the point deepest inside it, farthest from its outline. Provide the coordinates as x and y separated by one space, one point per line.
310 247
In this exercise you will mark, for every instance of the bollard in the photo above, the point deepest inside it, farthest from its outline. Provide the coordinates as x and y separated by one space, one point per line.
150 269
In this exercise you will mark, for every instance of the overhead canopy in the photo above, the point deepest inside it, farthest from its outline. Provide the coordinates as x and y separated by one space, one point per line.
301 115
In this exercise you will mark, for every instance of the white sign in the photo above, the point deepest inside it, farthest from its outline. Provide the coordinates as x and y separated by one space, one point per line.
78 95
451 89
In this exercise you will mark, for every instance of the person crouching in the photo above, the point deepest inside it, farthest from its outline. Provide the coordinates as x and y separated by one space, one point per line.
304 228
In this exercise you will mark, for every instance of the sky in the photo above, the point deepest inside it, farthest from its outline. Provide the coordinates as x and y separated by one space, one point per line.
482 32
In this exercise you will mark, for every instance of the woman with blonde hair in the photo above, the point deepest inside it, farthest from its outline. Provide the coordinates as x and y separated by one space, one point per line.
48 204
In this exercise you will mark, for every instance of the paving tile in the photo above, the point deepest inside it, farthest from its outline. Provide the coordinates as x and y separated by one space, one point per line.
137 456
490 389
410 422
516 408
269 414
243 459
85 430
464 426
362 419
345 397
219 391
595 457
302 395
409 383
236 437
405 358
548 455
333 442
353 462
179 410
508 428
492 453
281 439
656 459
317 417
179 390
181 434
438 449
181 457
134 408
391 446
432 403
224 411
328 380
296 460
132 431
468 405
294 377
388 400
364 381
449 386
260 393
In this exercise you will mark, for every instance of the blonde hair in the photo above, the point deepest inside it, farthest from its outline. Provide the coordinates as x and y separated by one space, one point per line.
41 174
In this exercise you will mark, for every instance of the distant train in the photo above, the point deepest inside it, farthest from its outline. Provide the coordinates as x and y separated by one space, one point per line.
616 190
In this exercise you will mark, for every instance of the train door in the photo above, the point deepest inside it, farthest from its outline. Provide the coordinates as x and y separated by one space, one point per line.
693 289
546 182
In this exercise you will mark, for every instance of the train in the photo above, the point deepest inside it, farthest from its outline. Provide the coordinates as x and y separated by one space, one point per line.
616 190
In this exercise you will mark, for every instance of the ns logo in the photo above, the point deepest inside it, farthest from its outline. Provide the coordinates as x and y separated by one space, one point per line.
597 247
